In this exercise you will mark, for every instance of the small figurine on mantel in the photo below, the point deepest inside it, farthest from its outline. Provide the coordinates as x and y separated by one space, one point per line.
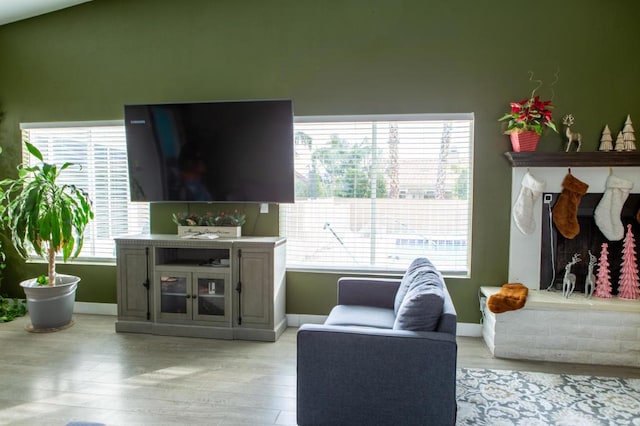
619 143
606 141
628 283
628 135
569 279
590 280
603 281
571 136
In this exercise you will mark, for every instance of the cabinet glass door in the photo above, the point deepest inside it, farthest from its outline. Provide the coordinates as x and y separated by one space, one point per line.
211 292
174 296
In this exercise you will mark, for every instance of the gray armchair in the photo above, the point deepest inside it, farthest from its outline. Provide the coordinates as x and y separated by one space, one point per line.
360 368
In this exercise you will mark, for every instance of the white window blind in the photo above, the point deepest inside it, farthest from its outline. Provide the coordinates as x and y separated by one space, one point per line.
100 150
375 192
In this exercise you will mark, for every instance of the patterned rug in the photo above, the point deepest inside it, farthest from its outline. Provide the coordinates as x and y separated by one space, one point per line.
504 397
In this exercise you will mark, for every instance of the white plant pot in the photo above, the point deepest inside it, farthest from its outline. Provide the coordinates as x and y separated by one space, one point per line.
51 307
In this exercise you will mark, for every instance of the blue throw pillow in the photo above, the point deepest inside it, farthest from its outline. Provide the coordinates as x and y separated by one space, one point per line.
420 270
421 309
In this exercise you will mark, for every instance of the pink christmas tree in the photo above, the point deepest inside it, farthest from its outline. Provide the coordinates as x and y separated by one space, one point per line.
628 285
603 279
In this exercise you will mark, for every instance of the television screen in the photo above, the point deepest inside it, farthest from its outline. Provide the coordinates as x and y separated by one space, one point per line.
239 151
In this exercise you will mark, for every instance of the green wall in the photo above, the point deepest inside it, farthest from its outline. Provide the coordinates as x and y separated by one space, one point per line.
330 57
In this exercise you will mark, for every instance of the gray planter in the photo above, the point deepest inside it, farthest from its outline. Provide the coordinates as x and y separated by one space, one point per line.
51 307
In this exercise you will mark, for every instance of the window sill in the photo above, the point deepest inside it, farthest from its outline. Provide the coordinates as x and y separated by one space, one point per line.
368 273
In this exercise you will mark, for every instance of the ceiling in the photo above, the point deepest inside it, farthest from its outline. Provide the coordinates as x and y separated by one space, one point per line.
15 10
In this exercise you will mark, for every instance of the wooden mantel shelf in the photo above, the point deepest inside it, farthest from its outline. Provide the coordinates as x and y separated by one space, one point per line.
574 159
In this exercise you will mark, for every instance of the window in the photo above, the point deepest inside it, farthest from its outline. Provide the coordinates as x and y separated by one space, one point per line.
375 192
100 150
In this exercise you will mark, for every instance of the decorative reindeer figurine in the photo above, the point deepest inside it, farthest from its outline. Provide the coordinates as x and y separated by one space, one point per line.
569 280
571 136
590 280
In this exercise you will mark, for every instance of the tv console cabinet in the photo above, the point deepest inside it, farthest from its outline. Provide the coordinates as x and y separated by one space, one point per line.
225 288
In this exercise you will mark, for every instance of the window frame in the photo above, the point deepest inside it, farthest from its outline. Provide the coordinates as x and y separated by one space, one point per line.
391 272
80 260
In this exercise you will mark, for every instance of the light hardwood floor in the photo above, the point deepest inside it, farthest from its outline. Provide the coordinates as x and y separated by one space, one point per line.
90 373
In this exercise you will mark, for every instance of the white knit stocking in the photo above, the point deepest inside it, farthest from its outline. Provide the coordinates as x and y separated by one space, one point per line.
607 214
523 208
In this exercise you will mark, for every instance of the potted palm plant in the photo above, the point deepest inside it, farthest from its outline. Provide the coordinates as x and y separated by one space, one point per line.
48 218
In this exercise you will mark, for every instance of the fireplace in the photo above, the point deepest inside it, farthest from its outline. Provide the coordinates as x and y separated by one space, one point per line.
529 254
550 327
557 251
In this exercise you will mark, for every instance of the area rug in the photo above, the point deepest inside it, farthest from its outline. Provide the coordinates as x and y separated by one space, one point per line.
505 397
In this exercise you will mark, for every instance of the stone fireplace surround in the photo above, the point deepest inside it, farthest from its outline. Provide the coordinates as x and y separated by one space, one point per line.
549 327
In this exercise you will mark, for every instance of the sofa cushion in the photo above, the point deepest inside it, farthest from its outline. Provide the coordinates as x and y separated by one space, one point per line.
408 277
421 309
421 270
361 316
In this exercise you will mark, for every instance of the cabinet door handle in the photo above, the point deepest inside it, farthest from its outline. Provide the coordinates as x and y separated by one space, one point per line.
188 296
195 296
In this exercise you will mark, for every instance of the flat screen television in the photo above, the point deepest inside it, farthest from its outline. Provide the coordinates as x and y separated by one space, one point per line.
232 151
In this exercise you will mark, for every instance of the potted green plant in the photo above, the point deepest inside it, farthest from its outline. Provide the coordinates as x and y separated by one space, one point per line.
527 120
48 218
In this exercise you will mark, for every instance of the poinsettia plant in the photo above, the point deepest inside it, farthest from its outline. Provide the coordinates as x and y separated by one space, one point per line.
529 114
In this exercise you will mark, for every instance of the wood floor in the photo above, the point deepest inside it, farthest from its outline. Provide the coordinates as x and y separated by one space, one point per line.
90 373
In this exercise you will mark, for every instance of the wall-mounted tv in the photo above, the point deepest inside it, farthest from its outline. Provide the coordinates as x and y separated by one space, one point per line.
232 151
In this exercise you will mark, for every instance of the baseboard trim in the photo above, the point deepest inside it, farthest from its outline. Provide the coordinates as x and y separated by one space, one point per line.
467 329
95 308
296 320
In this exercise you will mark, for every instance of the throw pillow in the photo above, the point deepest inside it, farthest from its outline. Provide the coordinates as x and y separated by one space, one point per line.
421 270
421 309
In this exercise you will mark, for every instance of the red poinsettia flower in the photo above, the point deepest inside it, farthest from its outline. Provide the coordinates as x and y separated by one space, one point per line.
529 114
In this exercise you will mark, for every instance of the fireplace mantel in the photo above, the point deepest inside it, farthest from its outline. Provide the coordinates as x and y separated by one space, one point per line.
574 159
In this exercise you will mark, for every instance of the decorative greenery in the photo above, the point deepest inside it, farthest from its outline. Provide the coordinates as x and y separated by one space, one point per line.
234 218
3 257
185 219
42 214
3 261
530 114
229 219
11 309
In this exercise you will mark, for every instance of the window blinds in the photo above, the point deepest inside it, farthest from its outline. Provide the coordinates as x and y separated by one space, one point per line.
99 152
373 193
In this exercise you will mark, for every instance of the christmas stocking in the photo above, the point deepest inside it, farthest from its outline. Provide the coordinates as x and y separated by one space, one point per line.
523 208
565 211
609 208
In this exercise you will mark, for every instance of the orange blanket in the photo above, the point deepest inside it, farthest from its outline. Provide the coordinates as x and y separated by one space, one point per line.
512 296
